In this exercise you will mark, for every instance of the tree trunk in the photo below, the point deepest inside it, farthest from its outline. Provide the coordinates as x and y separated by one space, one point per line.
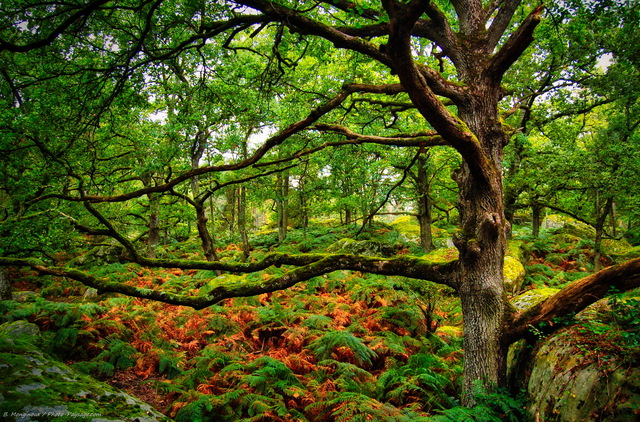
242 220
536 219
203 232
282 204
230 211
601 217
153 225
424 205
481 244
5 286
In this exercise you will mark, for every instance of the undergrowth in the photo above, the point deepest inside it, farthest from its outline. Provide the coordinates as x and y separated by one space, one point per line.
341 347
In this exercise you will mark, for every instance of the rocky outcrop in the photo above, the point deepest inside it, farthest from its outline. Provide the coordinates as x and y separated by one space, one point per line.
36 387
568 383
571 376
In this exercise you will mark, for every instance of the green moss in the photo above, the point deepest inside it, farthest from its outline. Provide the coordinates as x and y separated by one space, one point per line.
513 273
35 383
616 247
441 256
532 297
514 249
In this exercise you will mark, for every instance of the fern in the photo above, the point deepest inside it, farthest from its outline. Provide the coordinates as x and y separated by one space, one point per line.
118 354
348 376
354 407
491 407
271 376
169 363
325 346
197 411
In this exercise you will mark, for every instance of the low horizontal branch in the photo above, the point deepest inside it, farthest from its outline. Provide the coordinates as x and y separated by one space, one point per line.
308 266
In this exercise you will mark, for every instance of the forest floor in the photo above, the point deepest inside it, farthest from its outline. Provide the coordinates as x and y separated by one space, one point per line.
345 346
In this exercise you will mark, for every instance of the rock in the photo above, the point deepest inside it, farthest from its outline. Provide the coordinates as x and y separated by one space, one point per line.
363 247
514 274
568 225
24 296
18 328
616 246
567 384
532 297
408 228
35 386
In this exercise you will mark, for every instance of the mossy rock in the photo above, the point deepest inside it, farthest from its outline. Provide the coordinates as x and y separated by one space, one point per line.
514 274
568 225
36 387
532 297
363 247
515 250
408 228
569 384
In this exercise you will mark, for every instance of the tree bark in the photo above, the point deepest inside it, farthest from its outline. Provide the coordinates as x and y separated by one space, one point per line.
153 225
282 204
536 218
5 286
208 246
424 204
242 220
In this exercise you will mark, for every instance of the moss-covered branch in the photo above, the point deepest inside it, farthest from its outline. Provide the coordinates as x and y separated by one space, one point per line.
307 267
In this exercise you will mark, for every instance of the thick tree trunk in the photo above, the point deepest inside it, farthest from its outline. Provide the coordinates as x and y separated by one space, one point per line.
481 289
481 243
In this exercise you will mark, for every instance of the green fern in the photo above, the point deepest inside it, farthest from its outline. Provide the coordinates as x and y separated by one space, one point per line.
169 363
197 411
270 376
324 346
347 376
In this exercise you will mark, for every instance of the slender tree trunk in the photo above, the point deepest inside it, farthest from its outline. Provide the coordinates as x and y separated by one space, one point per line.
536 219
242 220
601 217
203 232
153 225
282 204
232 193
5 286
424 205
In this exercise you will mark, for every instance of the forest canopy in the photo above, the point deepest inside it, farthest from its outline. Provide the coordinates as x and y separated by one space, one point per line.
161 132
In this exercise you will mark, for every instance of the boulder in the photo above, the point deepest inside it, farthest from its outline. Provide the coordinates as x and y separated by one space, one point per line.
532 297
514 274
37 387
20 328
568 384
568 225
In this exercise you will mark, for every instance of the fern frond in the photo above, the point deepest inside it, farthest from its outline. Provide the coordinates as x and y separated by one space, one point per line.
325 346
